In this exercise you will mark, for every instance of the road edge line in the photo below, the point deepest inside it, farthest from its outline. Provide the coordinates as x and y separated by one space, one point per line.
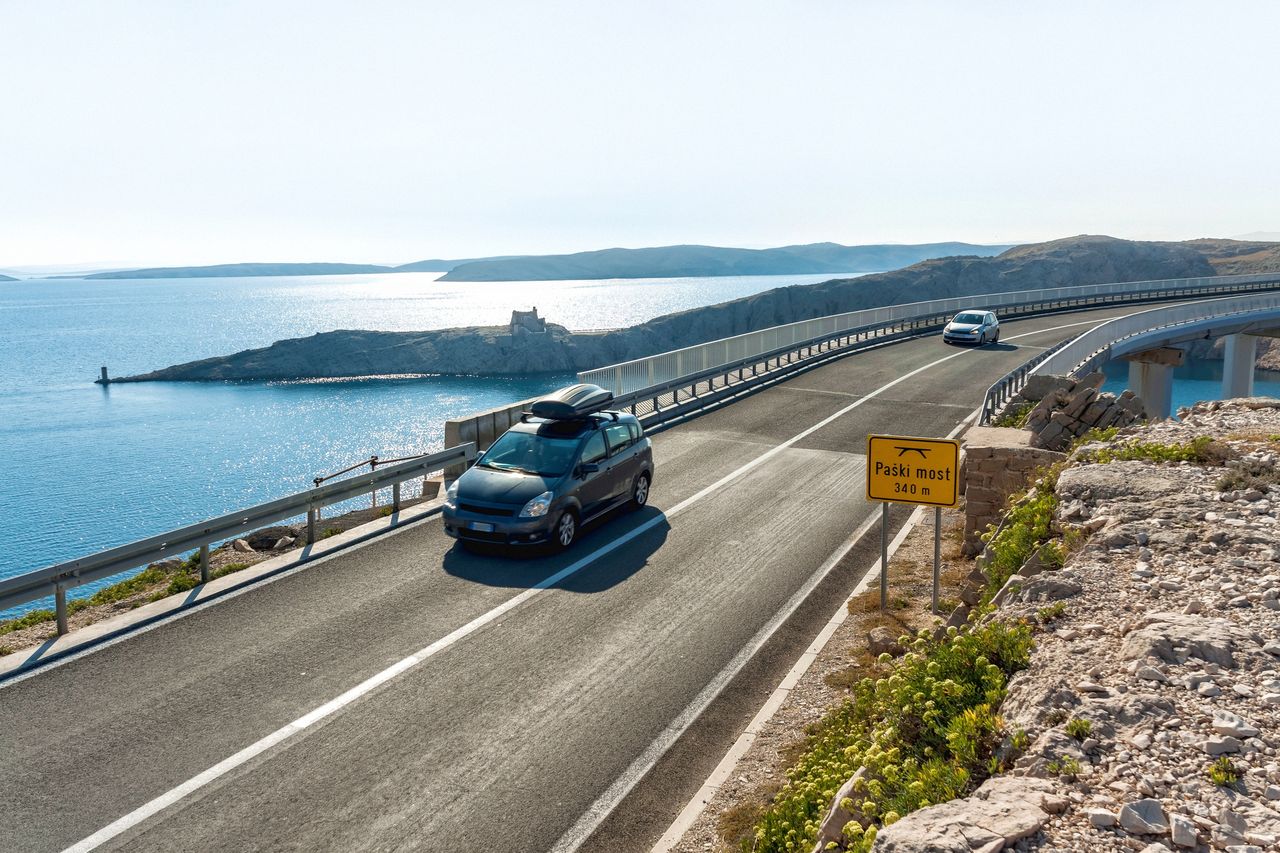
702 797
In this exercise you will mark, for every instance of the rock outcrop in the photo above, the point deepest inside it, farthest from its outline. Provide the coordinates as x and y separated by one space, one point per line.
493 351
1059 409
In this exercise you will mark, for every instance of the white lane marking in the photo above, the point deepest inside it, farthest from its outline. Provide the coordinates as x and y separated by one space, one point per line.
220 769
699 802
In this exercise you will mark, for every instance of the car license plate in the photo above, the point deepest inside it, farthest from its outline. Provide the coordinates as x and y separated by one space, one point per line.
482 526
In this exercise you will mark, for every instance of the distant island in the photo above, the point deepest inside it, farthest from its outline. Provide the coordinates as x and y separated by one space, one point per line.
681 261
530 344
8 278
656 262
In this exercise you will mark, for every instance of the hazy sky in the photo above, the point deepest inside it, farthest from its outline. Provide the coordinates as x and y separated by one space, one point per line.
177 131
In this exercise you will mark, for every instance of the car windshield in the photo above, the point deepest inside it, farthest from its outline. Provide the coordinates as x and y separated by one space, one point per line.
968 317
531 454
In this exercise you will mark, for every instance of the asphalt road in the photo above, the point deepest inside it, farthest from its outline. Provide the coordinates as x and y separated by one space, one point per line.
525 731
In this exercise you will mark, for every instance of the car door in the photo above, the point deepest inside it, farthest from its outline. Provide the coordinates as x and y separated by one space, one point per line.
623 465
595 488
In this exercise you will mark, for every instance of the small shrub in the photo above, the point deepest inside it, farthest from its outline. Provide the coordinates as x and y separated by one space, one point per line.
329 531
1020 741
925 732
1093 435
26 620
1223 772
385 511
1028 525
1015 416
1055 716
229 568
1201 450
6 650
1066 766
1247 474
1079 728
1051 612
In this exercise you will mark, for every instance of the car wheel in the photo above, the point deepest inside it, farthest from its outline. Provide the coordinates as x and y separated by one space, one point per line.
566 530
640 491
982 341
996 339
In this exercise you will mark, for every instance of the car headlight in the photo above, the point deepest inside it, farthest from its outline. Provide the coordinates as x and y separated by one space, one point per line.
537 507
451 494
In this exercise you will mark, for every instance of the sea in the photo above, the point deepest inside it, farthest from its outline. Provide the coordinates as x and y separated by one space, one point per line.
85 467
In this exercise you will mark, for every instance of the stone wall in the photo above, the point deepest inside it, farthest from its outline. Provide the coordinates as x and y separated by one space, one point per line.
998 462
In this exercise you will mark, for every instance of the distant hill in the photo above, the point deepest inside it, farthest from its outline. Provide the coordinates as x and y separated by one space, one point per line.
229 270
1238 257
438 265
7 278
674 261
656 262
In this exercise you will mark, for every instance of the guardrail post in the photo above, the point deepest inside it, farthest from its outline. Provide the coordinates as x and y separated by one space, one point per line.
60 607
395 497
311 525
204 563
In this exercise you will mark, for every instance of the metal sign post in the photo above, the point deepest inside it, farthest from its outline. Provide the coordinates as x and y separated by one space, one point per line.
910 470
884 555
937 554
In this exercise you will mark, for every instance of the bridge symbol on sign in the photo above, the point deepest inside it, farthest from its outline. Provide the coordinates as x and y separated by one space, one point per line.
902 451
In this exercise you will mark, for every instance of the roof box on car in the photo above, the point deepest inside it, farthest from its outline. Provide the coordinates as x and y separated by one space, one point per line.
576 401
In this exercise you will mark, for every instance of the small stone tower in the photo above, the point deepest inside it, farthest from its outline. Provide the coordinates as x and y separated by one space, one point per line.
527 323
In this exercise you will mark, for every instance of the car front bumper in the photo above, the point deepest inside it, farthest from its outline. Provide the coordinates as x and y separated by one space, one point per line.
961 337
498 530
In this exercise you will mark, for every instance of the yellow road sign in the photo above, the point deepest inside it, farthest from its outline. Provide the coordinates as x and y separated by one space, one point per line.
908 470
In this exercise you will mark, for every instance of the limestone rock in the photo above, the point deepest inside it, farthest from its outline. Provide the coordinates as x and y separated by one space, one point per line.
881 639
1144 817
1003 810
1159 634
242 546
832 828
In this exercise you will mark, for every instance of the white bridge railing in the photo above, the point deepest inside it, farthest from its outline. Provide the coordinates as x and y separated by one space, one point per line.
1093 348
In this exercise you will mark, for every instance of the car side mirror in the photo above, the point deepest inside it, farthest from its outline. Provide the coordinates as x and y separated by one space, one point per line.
587 468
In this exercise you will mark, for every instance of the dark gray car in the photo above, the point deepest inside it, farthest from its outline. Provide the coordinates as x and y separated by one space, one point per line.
546 477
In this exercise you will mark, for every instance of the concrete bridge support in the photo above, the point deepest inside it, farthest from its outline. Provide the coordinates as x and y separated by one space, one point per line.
1151 378
1237 366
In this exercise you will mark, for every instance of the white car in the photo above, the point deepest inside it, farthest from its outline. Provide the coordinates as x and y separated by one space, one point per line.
972 327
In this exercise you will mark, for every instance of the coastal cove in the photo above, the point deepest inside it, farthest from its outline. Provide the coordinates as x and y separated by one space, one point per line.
85 467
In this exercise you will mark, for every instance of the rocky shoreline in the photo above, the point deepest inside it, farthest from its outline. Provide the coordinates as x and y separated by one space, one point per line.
1148 717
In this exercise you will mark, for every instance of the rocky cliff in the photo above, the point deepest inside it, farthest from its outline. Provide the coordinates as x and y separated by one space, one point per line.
489 351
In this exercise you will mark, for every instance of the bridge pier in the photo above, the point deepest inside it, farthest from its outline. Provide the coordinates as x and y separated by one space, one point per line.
1237 366
1151 378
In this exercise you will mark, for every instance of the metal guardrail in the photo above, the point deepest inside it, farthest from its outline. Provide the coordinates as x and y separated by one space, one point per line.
56 580
657 370
1092 349
1003 389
